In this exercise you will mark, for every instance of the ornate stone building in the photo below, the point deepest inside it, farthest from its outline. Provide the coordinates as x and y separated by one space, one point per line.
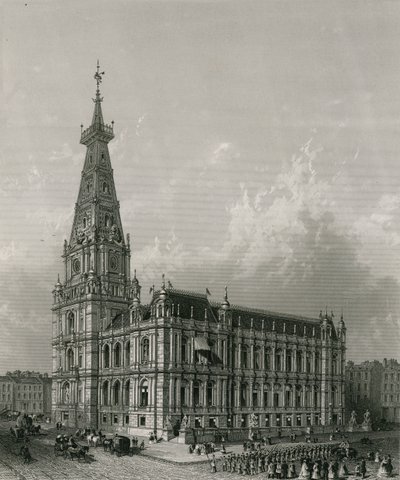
120 365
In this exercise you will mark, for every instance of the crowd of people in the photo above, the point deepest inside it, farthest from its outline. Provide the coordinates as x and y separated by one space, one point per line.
317 462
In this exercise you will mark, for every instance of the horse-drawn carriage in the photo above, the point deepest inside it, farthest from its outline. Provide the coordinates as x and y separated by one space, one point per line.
123 445
69 448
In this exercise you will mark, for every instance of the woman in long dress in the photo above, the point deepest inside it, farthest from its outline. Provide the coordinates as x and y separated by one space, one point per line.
304 471
343 470
315 472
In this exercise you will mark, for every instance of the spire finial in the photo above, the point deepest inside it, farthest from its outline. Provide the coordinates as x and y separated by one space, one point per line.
98 76
134 273
226 293
163 280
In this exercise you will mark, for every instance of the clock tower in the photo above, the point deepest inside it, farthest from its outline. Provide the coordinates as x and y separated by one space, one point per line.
95 286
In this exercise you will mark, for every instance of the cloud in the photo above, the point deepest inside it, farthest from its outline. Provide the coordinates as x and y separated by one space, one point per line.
65 153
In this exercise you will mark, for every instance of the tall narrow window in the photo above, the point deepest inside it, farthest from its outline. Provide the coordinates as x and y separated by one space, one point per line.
257 358
289 360
184 350
127 393
278 360
70 359
105 393
70 323
267 359
210 394
144 394
116 391
127 354
196 393
244 357
243 395
106 356
117 355
145 350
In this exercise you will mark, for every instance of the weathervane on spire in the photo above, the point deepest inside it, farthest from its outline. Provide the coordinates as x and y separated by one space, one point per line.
98 76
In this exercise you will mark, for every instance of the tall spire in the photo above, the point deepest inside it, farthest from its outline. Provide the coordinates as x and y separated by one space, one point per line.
98 130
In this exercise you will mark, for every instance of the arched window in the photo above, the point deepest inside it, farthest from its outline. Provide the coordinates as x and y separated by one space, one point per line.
244 357
210 394
184 350
255 394
105 393
127 393
334 364
106 356
267 359
70 323
234 360
80 392
84 222
308 362
317 362
278 360
267 390
243 394
127 354
184 396
317 402
232 394
334 396
145 350
117 355
308 396
298 396
288 395
257 358
299 361
277 395
197 393
66 393
144 394
289 360
70 359
116 391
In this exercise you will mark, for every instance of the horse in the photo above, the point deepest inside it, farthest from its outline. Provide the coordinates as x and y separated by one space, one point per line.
93 440
108 444
76 452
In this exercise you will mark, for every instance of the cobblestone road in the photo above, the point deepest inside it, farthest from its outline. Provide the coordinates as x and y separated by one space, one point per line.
103 466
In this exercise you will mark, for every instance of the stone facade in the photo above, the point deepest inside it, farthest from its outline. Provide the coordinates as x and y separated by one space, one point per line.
390 392
363 389
374 386
26 393
120 365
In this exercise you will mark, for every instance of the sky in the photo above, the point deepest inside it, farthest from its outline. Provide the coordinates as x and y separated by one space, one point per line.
256 147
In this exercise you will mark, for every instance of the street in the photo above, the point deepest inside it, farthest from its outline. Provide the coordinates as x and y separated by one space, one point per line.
103 466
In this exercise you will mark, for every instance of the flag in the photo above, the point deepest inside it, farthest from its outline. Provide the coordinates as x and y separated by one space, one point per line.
151 290
208 291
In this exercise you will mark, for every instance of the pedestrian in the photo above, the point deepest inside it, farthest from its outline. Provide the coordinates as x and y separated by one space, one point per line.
363 468
213 465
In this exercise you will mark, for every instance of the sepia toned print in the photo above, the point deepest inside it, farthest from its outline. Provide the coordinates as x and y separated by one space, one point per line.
227 217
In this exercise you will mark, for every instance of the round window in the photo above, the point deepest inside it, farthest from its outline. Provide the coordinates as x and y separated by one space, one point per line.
76 265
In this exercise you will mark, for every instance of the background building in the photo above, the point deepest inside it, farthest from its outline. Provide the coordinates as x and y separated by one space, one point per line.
121 365
375 386
390 392
363 389
28 392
